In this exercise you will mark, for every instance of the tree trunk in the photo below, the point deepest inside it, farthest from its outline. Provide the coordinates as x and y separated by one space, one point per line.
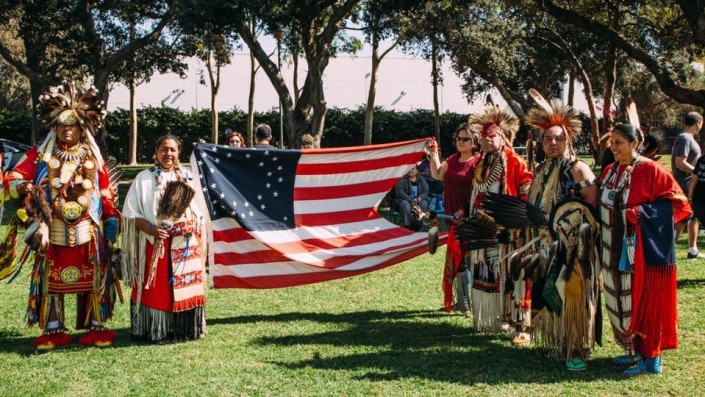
571 88
101 83
295 56
371 94
133 123
36 89
435 76
610 71
214 115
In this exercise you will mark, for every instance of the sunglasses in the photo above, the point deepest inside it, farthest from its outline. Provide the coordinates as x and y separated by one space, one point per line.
462 139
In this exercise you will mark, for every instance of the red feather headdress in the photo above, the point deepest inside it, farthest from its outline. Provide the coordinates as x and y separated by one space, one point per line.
491 120
547 115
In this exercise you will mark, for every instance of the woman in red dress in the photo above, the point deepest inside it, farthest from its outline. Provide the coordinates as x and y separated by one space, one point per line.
168 295
639 204
456 172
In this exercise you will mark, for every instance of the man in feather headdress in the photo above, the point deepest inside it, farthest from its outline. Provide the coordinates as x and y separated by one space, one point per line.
74 219
499 170
563 323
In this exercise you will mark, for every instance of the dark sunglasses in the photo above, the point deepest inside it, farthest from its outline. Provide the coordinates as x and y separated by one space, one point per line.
462 139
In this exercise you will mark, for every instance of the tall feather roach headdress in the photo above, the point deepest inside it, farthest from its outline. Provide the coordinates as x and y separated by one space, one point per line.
547 115
491 120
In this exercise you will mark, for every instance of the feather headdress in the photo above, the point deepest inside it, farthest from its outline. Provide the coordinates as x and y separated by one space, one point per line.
547 115
491 120
65 104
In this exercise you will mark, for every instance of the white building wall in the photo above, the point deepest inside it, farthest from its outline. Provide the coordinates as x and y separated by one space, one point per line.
346 82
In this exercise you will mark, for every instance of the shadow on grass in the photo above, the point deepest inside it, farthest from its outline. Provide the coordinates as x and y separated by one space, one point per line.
691 283
13 342
424 345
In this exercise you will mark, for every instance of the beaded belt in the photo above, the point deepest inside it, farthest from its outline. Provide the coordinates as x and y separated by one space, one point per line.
71 235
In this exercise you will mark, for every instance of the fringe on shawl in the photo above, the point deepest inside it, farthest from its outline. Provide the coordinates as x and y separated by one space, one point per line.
548 334
575 315
486 309
133 259
154 325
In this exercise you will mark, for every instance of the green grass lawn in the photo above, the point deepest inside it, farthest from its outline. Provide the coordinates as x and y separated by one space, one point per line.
377 334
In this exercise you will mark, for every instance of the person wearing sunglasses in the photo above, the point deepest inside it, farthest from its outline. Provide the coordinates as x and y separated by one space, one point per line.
498 170
234 138
456 172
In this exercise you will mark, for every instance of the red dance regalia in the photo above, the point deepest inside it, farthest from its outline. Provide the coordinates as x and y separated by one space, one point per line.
641 299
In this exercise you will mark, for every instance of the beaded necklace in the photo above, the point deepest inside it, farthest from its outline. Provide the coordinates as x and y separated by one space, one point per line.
621 184
493 176
75 154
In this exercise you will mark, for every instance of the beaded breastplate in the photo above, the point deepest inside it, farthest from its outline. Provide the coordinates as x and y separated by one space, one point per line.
72 178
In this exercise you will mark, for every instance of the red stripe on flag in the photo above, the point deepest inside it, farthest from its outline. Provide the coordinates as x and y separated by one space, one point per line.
353 240
290 280
332 218
353 149
231 235
264 257
357 166
334 192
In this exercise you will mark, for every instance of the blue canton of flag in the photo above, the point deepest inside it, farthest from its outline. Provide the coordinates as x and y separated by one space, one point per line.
261 198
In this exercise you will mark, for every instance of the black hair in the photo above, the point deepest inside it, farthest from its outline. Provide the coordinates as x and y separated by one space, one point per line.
692 118
629 131
163 138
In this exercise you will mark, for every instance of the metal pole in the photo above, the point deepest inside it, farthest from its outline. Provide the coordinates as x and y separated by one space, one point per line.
281 115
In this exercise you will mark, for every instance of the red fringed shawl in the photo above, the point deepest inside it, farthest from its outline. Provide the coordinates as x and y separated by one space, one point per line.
659 203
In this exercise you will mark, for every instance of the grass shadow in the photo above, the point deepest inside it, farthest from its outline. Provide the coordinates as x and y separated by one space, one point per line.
13 342
406 344
691 283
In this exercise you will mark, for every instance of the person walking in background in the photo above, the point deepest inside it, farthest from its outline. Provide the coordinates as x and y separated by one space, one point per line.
683 156
409 192
696 190
456 172
639 203
308 141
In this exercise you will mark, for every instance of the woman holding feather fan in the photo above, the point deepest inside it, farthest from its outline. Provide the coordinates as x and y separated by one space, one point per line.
639 203
164 251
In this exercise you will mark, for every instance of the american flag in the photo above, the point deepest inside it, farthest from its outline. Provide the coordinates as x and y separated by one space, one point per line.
282 218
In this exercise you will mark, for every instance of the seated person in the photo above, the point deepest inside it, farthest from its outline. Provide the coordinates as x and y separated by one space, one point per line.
435 187
410 190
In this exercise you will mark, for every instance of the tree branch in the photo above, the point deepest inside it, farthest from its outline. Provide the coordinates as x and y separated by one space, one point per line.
270 68
694 12
664 77
21 67
113 61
